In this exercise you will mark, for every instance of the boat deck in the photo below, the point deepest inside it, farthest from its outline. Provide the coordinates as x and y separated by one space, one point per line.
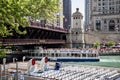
80 73
69 72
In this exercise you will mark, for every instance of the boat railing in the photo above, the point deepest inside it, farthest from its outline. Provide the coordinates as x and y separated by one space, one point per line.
64 53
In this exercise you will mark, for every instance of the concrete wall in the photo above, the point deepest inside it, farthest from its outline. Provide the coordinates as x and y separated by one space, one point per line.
102 37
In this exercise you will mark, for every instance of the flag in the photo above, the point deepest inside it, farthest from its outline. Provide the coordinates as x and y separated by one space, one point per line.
65 19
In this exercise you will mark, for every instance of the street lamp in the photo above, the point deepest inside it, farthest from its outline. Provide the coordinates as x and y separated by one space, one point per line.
117 29
16 77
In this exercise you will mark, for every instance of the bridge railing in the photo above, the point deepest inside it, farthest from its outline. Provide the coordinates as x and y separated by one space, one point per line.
54 41
18 41
40 25
30 41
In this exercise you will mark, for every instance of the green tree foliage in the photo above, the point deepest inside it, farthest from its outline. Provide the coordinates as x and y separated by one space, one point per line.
96 44
2 52
14 13
111 43
3 49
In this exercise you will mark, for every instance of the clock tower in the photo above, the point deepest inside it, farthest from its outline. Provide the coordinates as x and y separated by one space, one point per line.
77 31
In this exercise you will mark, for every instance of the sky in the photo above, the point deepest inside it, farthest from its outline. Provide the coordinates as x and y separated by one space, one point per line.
78 4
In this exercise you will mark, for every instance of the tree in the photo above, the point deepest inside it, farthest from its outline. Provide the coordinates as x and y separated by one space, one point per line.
14 13
96 44
111 43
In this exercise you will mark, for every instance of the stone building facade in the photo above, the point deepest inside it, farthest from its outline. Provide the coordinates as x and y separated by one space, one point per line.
104 15
102 37
104 21
77 37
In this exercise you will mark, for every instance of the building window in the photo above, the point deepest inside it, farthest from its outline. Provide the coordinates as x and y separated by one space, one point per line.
105 21
94 8
112 25
76 33
99 9
113 3
118 27
110 3
118 20
75 17
76 23
103 8
105 27
109 8
103 12
99 4
98 24
72 32
113 8
103 4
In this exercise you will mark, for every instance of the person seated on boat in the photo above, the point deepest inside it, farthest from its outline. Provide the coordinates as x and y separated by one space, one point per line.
44 63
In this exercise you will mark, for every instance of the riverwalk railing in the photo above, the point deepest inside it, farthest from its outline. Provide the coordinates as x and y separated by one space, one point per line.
110 52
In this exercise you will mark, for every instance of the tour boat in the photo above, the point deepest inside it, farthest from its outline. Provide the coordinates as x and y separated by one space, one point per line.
66 55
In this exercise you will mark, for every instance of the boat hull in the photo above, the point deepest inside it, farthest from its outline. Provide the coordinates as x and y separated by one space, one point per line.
77 60
69 59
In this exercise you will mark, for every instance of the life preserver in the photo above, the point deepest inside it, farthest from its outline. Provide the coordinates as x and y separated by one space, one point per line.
33 61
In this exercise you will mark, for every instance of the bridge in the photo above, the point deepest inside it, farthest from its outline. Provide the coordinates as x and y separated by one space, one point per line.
37 34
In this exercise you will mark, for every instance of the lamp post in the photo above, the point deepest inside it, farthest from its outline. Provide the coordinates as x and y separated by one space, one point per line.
4 63
117 29
16 78
70 36
0 72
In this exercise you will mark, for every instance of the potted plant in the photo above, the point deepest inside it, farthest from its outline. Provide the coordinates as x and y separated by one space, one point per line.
111 43
96 44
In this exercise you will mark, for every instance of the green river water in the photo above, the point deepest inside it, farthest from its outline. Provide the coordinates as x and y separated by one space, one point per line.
105 61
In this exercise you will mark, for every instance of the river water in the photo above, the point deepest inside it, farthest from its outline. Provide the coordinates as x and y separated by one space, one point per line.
105 61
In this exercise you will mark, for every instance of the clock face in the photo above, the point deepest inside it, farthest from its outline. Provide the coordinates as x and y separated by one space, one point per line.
76 23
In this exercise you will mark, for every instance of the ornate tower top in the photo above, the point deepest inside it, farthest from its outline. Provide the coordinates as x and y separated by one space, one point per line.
77 14
77 19
77 9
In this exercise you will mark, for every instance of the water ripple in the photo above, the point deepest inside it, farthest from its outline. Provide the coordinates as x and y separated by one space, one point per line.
109 60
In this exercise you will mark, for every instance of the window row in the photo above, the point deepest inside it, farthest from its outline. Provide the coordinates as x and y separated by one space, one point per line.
76 17
64 55
106 3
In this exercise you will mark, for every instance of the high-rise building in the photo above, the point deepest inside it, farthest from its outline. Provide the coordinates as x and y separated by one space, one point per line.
104 14
59 17
67 14
87 15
